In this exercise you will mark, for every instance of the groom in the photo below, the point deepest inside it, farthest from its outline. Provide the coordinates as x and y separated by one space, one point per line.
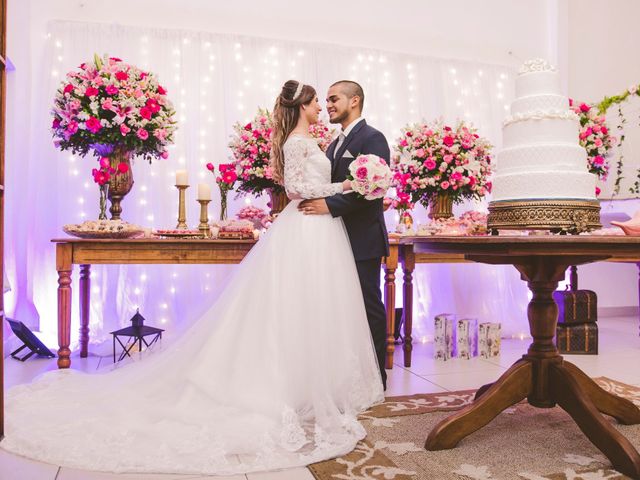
363 219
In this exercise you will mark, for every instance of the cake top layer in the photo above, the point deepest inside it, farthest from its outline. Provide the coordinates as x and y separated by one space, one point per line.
536 65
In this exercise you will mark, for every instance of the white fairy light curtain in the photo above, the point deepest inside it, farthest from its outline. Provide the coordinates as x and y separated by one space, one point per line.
215 80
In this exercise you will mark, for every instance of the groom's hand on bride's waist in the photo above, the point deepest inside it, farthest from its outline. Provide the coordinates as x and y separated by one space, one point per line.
317 206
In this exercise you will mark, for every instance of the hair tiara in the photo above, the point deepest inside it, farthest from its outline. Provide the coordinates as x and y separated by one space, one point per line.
298 91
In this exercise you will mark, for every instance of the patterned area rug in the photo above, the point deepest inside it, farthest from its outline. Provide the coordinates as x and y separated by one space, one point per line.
523 442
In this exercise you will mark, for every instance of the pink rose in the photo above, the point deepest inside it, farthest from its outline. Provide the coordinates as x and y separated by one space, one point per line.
111 90
161 90
93 125
598 142
124 129
448 140
123 167
598 161
91 92
444 185
456 176
142 134
160 134
598 191
164 154
72 127
447 158
145 113
153 105
104 162
430 164
107 104
403 143
361 173
229 176
420 153
584 108
604 130
211 166
68 88
122 76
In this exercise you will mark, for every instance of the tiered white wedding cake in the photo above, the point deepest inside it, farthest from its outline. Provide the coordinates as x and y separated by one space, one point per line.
541 157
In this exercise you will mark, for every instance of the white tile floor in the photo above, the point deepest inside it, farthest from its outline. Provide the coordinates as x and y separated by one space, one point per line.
619 355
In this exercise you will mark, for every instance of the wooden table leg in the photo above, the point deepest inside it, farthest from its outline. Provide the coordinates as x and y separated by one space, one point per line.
546 380
85 302
408 266
390 267
576 402
64 268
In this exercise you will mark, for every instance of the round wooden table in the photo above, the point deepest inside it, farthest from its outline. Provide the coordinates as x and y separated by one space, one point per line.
542 376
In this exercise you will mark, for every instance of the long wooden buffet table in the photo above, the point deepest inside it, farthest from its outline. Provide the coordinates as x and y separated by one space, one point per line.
74 251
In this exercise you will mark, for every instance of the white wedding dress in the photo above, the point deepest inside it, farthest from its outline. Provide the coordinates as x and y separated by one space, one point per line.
272 376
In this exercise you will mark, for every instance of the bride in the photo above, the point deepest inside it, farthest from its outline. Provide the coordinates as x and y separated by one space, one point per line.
262 381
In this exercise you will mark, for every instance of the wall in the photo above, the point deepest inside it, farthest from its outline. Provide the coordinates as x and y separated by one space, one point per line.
602 39
561 30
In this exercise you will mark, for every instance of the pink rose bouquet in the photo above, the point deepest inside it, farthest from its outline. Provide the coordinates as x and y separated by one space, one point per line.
109 104
595 138
251 150
435 158
370 176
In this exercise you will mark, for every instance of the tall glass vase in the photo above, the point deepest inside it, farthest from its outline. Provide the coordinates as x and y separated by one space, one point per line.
223 202
120 183
104 189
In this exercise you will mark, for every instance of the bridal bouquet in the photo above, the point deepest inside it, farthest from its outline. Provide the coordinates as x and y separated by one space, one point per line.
251 150
433 159
109 104
595 138
370 176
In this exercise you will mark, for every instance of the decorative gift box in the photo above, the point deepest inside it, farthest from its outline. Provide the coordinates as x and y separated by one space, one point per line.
577 338
489 335
466 338
444 332
576 306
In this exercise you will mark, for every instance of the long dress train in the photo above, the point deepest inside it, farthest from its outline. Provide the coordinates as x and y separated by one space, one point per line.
272 376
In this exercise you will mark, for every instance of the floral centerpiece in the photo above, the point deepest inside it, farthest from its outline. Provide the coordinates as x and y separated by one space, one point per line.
251 150
595 138
438 165
226 180
116 111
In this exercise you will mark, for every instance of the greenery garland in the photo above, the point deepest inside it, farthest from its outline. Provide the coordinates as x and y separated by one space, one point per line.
603 106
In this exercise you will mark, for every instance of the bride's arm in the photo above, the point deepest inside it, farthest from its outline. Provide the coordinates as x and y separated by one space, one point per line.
295 154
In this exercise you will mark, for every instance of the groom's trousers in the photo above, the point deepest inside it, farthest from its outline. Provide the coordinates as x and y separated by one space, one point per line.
369 273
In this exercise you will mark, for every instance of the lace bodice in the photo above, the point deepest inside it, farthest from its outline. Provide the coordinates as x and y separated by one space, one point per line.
307 170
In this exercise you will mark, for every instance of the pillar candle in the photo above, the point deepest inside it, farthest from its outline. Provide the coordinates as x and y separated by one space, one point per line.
204 191
182 177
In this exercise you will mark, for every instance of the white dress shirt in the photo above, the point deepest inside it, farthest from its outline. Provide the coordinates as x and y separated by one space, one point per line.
345 133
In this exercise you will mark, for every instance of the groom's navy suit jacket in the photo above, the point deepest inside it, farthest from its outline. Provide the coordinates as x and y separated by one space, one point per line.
364 219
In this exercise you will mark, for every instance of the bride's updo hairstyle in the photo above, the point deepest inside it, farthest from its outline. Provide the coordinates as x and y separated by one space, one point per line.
286 113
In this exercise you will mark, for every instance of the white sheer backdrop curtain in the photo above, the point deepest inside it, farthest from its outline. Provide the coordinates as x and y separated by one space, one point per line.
214 81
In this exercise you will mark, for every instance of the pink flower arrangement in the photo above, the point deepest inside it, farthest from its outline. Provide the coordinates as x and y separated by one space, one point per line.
257 216
110 104
435 158
595 138
251 150
370 176
226 180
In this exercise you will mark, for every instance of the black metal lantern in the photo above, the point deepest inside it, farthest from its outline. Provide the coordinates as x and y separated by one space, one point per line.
135 334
